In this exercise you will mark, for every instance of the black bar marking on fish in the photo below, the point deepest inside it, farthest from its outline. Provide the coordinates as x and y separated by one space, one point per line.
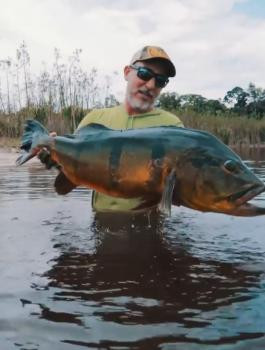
114 163
157 157
158 151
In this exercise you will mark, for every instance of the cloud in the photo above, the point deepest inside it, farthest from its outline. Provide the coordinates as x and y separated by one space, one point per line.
214 47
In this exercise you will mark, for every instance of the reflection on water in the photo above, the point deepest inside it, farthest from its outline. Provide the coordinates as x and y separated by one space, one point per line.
73 280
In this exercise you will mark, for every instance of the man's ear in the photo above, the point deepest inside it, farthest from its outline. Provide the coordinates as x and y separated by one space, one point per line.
126 71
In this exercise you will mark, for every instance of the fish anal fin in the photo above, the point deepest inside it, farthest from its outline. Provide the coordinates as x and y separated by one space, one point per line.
167 195
63 185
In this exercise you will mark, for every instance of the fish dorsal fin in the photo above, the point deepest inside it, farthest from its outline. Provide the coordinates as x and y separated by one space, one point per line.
167 195
91 127
63 185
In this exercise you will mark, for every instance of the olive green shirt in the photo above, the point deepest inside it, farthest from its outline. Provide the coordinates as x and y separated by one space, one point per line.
117 118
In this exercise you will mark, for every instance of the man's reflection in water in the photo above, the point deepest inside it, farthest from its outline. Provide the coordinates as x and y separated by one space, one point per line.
127 236
137 269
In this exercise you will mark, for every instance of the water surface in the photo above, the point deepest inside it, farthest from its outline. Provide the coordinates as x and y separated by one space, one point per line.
73 280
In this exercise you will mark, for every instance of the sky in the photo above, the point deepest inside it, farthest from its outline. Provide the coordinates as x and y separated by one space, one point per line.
214 44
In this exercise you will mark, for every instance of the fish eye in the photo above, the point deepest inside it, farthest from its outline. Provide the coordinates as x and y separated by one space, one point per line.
231 166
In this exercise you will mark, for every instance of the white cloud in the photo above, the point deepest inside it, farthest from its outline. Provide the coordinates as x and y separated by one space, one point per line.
213 47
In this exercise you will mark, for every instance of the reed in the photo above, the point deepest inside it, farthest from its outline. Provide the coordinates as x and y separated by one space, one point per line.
58 97
234 131
61 96
11 125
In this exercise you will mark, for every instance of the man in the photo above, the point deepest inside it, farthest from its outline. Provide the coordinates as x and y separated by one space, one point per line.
146 75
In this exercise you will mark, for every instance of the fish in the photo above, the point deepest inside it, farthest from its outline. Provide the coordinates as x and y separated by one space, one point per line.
163 165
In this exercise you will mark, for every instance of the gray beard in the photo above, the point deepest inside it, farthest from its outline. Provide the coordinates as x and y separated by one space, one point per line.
140 106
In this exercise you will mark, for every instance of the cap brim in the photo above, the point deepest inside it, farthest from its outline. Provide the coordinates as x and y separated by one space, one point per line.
171 67
171 70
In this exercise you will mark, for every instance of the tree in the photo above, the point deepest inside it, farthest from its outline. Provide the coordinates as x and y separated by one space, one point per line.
215 107
256 106
194 102
238 98
169 101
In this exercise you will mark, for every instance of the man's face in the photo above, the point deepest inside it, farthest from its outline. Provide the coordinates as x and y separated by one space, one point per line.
141 95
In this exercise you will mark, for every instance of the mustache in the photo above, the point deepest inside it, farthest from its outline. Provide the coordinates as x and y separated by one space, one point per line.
147 92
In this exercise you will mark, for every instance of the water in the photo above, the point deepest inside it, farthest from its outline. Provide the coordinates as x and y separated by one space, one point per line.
73 280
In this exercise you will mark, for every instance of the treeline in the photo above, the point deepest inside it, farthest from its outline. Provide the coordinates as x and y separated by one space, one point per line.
236 102
61 95
58 97
238 119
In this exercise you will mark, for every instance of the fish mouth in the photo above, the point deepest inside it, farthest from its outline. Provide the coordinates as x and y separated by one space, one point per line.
245 195
240 199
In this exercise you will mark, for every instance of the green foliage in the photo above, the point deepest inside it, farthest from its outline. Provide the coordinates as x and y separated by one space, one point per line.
169 101
73 116
191 102
238 130
61 98
250 102
238 97
237 102
41 114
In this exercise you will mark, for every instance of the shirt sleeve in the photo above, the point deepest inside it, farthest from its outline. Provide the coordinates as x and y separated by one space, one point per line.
171 119
91 117
179 122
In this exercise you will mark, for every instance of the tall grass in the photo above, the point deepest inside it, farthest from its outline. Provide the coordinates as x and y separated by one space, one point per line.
60 97
234 131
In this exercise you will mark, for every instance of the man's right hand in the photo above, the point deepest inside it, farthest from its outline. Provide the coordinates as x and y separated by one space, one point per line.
45 156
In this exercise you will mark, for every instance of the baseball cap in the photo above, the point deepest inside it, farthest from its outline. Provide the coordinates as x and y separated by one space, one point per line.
154 52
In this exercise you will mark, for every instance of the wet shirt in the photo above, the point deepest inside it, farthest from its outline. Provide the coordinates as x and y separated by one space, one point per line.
117 118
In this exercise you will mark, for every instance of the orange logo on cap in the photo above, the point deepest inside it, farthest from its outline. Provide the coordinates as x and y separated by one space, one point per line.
157 52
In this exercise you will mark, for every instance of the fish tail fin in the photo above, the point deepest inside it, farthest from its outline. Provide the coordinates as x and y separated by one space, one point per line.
33 136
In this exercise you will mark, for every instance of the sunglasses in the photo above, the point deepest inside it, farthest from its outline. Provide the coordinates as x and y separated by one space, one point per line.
147 74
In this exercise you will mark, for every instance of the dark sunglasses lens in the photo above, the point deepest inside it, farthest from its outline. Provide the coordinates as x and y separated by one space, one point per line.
144 74
161 81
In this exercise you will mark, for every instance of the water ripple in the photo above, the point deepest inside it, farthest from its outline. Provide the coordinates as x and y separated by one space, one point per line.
72 280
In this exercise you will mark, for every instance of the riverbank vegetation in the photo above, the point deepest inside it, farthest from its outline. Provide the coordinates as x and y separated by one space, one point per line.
61 96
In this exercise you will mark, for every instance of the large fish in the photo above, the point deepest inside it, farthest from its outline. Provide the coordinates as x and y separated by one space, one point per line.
160 165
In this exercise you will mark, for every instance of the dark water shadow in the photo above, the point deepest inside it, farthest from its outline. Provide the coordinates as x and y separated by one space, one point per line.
137 277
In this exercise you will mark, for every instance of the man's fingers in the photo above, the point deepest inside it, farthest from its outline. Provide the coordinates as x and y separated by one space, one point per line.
45 157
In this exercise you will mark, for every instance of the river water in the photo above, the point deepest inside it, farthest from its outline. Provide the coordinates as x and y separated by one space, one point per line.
70 280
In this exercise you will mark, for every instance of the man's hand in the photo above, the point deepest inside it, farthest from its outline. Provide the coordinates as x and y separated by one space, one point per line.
45 156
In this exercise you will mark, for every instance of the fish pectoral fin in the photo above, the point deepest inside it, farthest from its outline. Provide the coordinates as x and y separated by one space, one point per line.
62 184
167 195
